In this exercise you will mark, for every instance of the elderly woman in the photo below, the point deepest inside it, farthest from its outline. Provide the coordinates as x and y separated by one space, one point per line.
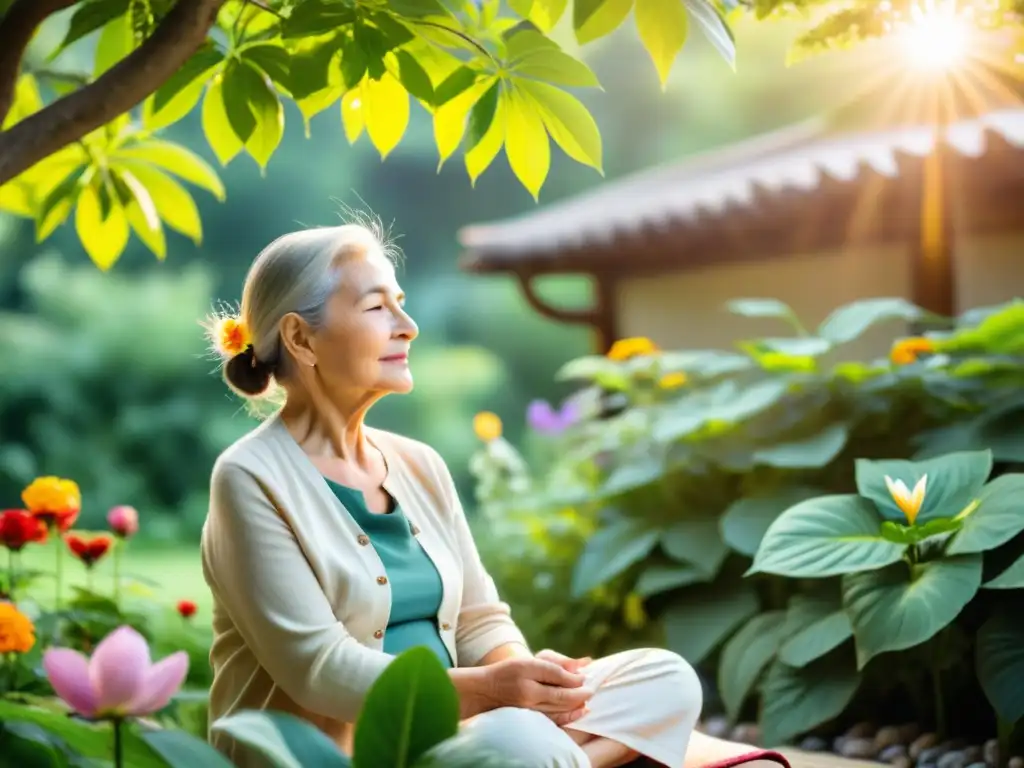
330 546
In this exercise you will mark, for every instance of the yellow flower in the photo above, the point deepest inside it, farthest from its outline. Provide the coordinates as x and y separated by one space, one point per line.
673 380
637 346
487 426
908 501
633 613
232 336
906 351
53 500
17 634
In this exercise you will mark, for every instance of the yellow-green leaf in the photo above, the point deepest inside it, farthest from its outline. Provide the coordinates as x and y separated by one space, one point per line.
544 14
314 104
173 202
269 114
178 160
180 93
663 26
568 121
183 102
221 137
103 237
450 119
526 141
483 152
116 41
596 18
352 114
27 101
143 216
385 105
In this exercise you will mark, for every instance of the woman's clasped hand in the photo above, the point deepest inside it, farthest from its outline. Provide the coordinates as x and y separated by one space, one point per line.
548 683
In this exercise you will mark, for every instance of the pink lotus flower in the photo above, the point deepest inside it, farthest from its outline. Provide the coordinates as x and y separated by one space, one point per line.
119 681
123 521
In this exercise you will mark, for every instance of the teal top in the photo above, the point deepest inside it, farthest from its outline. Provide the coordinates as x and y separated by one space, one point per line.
415 583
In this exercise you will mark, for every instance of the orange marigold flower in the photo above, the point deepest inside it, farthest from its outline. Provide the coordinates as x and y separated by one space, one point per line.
487 426
231 336
636 346
19 527
906 351
17 633
673 380
186 608
89 551
53 500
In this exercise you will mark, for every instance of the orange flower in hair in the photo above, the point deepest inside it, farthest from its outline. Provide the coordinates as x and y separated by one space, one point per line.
230 336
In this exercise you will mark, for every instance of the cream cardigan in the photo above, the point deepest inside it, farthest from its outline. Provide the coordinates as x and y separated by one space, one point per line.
300 598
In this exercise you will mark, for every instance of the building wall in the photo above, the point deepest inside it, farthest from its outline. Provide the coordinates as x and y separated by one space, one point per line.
687 310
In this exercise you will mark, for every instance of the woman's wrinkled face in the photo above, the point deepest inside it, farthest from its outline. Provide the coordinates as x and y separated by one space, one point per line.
364 343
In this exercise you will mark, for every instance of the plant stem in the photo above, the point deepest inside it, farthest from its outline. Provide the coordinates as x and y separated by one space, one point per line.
118 745
88 578
10 574
117 575
58 570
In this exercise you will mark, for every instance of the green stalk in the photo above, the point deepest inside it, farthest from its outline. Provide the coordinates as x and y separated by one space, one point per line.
58 570
10 574
118 744
117 574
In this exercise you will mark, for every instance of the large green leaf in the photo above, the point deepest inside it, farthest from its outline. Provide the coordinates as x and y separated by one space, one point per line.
465 750
954 481
27 744
526 140
811 452
814 626
826 536
533 55
763 308
574 130
902 606
411 708
284 740
596 18
798 700
663 577
1011 578
850 321
701 617
999 661
663 26
745 656
610 551
697 542
997 517
182 750
746 520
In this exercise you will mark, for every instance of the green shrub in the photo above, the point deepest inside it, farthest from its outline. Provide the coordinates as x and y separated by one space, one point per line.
643 524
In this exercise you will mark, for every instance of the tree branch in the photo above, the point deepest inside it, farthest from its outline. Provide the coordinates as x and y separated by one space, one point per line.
116 91
17 28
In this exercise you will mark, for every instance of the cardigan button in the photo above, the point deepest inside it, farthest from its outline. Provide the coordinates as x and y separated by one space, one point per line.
363 539
379 634
382 579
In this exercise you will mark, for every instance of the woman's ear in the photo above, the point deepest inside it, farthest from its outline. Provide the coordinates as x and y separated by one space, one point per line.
298 340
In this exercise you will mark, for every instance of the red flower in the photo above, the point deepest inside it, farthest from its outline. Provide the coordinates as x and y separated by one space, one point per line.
186 608
89 551
19 527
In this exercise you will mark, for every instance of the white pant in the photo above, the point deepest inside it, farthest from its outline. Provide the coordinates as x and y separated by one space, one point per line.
647 699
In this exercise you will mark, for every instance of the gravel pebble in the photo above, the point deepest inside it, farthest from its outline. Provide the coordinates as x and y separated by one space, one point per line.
978 765
973 754
717 727
861 748
1015 762
861 731
921 743
887 737
746 733
891 753
909 732
903 761
931 755
814 744
990 752
952 759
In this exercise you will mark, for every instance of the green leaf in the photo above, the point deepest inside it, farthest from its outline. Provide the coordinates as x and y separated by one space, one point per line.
631 475
664 577
543 14
88 17
997 517
999 662
269 113
914 534
826 536
533 55
174 204
284 740
414 78
27 744
746 520
663 26
316 17
182 750
309 68
411 708
852 320
526 141
104 234
696 542
180 93
714 27
814 627
219 133
701 617
239 88
568 121
486 132
115 42
178 160
954 481
272 60
800 346
466 750
57 204
610 551
1011 578
386 112
453 85
745 657
596 18
902 606
762 308
143 216
810 453
798 700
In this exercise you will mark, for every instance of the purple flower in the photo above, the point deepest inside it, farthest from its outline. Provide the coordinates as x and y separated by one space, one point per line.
543 418
119 680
